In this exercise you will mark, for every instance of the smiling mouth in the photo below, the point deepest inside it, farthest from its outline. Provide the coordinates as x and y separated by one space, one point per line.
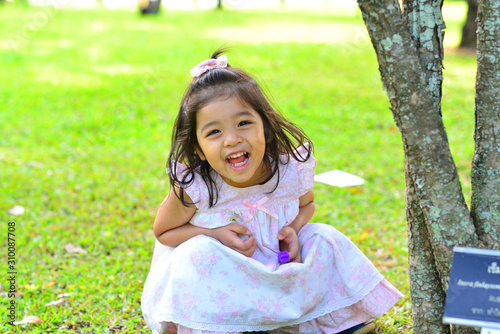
238 159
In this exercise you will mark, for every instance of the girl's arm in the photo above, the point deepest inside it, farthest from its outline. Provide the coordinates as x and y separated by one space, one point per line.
172 227
227 235
287 237
306 211
172 214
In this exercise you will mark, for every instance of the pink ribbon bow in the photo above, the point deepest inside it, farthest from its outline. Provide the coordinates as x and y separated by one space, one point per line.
208 64
258 206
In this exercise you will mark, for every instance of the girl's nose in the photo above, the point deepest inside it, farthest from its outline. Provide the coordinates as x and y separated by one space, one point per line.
232 139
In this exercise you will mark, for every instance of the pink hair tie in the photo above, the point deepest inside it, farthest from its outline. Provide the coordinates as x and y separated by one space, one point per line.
208 64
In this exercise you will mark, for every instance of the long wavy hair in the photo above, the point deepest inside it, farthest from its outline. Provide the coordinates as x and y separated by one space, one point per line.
282 136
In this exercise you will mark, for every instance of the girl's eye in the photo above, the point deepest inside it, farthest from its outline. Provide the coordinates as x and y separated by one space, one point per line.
243 123
213 132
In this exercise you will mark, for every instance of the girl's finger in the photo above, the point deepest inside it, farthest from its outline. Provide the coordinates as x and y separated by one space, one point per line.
240 229
247 245
289 240
283 234
294 251
248 252
236 242
239 245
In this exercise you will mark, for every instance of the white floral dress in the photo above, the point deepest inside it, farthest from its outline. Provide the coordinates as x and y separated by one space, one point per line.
206 286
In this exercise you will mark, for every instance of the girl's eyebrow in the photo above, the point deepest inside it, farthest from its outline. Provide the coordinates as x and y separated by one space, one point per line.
207 125
243 113
237 114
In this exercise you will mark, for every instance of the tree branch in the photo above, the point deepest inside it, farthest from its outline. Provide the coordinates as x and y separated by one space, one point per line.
426 26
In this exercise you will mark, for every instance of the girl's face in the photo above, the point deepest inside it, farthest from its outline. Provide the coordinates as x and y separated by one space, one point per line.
231 139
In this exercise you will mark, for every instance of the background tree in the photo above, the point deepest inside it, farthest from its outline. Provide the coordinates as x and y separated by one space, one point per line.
470 26
409 47
149 6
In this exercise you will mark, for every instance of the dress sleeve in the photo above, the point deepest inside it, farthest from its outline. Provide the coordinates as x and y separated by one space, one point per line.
305 170
193 189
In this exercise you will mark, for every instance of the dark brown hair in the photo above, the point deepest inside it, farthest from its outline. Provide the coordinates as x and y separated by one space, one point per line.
282 136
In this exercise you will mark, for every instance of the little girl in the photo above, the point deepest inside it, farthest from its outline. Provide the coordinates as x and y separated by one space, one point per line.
242 179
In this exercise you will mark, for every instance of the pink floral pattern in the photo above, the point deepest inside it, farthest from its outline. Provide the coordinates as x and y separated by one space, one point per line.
202 285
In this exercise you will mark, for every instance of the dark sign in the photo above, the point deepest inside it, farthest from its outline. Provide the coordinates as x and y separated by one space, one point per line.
473 297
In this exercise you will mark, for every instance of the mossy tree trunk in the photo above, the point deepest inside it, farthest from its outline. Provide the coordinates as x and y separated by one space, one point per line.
485 207
409 48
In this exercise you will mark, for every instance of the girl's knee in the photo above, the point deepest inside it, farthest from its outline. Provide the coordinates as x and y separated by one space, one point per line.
313 229
198 242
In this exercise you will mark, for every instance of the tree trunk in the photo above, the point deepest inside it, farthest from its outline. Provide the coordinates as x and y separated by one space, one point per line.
409 48
485 207
469 35
413 99
427 294
150 7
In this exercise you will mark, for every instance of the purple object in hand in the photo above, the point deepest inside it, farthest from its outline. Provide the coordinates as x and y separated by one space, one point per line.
283 257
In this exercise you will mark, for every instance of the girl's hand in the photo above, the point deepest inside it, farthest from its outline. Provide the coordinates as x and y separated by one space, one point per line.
290 242
228 236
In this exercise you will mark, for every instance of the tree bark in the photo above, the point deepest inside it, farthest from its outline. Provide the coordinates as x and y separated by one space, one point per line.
426 26
427 294
418 118
485 207
410 53
469 35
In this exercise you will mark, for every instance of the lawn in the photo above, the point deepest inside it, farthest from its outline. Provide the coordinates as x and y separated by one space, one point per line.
87 103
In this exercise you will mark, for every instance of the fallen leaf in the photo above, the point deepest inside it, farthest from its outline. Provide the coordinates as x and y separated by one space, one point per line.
30 319
72 249
355 190
364 235
64 295
50 284
393 129
16 210
56 303
116 329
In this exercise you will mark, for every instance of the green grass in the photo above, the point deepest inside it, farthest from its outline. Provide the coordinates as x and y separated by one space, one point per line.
88 99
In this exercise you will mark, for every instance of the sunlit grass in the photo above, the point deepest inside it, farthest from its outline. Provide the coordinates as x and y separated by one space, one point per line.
88 100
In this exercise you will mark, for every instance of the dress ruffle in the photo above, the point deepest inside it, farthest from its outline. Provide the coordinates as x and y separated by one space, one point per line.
217 289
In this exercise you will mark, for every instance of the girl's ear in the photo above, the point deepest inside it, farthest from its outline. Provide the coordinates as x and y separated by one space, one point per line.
200 154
